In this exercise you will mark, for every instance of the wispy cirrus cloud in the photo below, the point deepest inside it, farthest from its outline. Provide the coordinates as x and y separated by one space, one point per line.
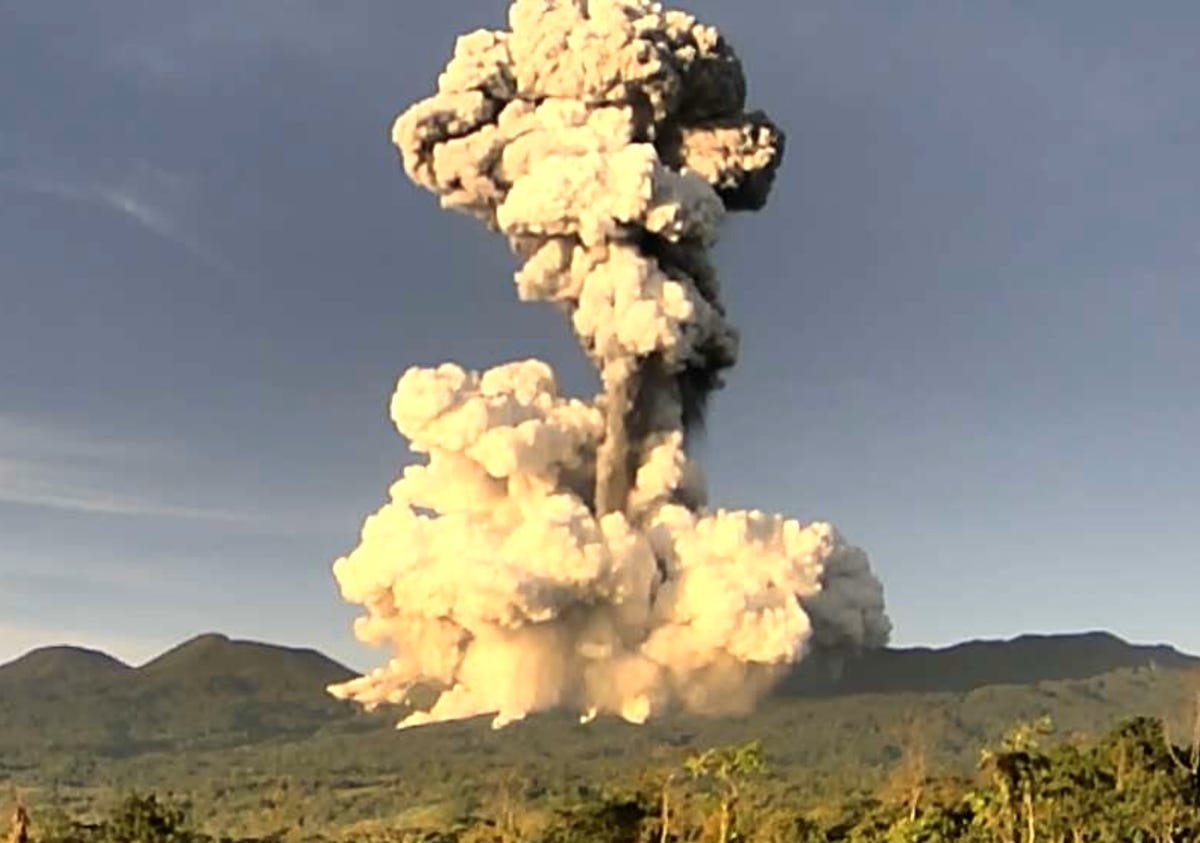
190 43
23 488
51 467
160 202
31 571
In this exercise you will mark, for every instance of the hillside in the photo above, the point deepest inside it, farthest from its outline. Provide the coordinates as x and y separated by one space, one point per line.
1024 660
61 666
229 721
208 692
213 692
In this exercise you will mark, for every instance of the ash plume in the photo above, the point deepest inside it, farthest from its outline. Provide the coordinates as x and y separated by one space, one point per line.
553 551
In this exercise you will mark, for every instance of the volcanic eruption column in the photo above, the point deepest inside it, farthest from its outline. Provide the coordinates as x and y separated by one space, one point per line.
553 551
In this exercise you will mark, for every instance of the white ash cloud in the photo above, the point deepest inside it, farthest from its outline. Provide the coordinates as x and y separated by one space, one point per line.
555 551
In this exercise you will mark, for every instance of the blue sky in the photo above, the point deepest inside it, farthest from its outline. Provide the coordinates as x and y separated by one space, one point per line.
969 313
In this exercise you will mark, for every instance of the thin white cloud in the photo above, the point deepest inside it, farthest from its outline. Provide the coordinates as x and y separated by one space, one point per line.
50 467
42 437
155 200
98 503
192 43
29 569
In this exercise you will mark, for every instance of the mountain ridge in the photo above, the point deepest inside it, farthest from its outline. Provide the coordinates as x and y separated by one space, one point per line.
1022 660
209 691
214 710
1090 653
44 663
54 657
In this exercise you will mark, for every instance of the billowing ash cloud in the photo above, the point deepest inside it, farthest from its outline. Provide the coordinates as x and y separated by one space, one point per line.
553 551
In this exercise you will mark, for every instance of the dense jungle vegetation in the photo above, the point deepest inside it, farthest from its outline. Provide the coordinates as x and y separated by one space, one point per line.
1133 784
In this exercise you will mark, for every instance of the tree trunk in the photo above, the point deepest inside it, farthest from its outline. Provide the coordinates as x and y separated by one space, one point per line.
665 836
20 826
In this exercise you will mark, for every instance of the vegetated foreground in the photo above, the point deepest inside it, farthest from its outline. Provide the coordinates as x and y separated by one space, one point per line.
1132 784
227 727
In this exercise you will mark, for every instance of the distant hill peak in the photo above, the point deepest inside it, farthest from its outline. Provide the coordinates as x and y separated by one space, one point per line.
1094 642
214 653
62 663
208 691
1023 660
206 639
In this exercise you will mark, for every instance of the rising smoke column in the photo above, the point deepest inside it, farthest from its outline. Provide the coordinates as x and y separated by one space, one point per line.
553 551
